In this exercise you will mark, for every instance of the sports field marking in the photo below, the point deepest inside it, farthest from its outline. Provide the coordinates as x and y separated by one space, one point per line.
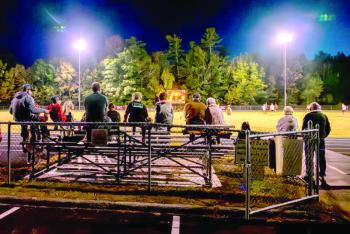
336 169
175 229
10 211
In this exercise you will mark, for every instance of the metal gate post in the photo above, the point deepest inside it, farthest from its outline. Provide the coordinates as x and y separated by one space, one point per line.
317 135
8 153
149 158
247 174
210 159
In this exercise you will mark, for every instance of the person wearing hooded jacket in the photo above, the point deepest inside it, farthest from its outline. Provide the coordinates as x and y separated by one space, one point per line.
320 120
23 109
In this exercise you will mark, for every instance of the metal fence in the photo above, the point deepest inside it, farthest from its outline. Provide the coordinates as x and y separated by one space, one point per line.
257 171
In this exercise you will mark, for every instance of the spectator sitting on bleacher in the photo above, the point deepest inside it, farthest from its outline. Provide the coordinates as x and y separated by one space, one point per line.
113 114
288 122
245 126
213 113
67 109
136 112
164 111
55 110
195 110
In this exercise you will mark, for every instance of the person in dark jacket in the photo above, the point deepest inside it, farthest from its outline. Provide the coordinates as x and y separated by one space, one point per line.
113 114
245 126
316 118
95 104
23 109
95 107
136 112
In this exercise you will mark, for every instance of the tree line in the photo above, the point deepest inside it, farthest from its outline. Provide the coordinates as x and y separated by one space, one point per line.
204 67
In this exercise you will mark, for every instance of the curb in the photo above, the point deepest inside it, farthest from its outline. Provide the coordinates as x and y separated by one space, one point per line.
236 212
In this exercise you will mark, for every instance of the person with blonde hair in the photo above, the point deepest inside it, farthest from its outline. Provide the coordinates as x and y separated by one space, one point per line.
67 109
136 112
288 122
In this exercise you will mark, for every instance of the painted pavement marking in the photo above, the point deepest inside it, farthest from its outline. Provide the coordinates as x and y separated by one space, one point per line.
175 229
10 211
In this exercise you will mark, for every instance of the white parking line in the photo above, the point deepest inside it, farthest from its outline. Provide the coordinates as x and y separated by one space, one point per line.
336 169
10 211
175 229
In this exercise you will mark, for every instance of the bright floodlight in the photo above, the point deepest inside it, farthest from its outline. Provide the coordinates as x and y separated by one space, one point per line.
284 38
80 45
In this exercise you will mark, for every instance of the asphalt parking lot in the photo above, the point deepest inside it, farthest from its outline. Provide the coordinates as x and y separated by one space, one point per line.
57 220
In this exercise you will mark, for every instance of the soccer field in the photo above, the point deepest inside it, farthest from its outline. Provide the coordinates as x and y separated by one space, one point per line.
258 120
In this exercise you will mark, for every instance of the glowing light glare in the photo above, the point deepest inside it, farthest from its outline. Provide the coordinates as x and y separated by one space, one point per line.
284 38
80 45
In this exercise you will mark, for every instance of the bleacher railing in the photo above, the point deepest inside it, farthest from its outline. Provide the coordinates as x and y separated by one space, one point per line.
263 170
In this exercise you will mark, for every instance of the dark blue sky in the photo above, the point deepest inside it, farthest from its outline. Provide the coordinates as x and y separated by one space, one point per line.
27 27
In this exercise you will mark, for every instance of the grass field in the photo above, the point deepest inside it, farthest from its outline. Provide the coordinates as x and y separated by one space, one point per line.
258 120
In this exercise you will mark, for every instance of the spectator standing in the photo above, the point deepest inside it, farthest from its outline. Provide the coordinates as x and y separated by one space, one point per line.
95 107
195 110
164 111
113 114
272 107
288 122
319 119
23 109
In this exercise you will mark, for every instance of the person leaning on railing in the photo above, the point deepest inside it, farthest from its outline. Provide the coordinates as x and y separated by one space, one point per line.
321 120
288 122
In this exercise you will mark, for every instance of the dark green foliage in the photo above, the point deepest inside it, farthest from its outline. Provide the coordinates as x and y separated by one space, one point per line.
204 68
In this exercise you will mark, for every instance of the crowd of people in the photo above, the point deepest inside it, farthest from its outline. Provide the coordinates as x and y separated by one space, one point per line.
272 107
98 109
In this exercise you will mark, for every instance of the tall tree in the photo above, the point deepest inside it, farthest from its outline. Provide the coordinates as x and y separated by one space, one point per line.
210 41
64 76
246 81
311 87
174 55
41 76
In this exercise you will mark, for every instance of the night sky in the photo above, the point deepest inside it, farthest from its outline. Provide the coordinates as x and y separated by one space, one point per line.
28 27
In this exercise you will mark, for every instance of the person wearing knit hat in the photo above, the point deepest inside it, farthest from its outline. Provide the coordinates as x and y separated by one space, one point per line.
288 122
317 119
195 110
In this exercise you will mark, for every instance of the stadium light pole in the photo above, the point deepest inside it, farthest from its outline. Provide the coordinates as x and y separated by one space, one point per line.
80 46
284 39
